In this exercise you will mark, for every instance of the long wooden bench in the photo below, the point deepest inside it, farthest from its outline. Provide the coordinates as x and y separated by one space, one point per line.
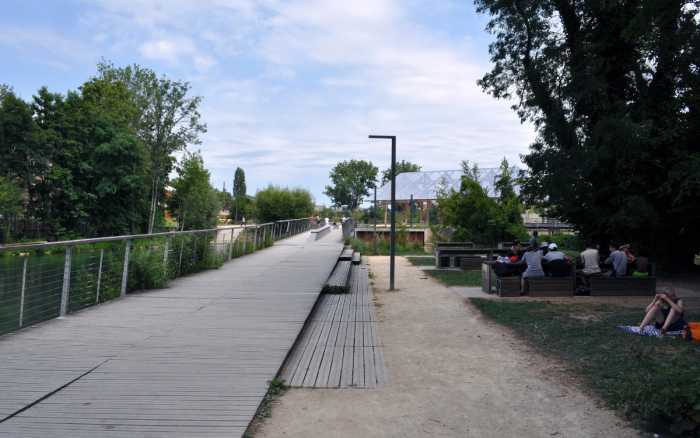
623 286
550 286
471 262
321 231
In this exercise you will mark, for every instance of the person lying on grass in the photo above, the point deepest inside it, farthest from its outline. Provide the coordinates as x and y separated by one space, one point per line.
666 311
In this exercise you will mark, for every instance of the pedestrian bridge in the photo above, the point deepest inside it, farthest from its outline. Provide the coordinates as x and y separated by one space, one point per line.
192 360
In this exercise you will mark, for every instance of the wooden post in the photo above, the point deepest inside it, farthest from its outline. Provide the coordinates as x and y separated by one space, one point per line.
66 283
22 292
125 271
99 276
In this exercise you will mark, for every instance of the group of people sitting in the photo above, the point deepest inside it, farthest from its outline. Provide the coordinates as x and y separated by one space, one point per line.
545 259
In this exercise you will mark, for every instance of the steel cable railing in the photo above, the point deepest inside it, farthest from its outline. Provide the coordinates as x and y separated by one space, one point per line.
47 280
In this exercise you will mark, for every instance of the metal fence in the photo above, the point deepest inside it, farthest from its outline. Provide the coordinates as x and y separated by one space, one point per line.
48 280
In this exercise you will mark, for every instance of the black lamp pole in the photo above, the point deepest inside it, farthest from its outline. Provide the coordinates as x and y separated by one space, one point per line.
392 251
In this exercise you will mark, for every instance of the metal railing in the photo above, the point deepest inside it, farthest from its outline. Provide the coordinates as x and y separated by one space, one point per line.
42 281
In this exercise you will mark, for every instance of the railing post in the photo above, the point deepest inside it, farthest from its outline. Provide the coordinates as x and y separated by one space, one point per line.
125 271
245 239
230 245
24 288
66 283
182 249
99 276
166 249
255 239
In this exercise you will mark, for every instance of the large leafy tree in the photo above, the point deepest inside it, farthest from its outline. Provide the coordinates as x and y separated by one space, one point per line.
278 203
401 167
613 89
195 202
352 181
167 120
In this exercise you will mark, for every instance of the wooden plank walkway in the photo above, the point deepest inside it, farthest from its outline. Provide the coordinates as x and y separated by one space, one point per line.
339 347
192 360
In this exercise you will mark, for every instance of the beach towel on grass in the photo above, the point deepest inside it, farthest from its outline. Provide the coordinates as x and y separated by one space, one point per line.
648 330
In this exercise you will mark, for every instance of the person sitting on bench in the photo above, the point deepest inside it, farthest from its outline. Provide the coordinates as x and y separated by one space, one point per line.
532 259
666 311
555 263
618 260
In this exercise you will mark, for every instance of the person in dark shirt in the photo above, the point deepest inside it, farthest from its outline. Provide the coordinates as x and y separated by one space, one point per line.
666 311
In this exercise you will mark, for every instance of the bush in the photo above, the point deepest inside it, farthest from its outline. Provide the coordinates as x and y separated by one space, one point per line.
146 270
572 242
382 247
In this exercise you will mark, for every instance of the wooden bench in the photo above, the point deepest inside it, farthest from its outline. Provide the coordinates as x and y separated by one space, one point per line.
623 286
321 231
450 254
488 277
508 286
471 262
550 286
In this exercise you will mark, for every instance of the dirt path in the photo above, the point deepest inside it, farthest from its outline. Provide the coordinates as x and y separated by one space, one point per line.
451 374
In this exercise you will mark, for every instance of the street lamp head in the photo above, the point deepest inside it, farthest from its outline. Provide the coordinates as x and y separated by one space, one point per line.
387 137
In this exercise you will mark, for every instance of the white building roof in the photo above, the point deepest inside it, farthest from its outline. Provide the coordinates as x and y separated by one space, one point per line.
426 185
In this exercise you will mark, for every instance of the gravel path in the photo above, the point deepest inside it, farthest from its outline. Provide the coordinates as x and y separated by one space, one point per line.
451 374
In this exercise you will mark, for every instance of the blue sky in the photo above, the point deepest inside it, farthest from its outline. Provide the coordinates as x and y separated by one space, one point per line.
290 87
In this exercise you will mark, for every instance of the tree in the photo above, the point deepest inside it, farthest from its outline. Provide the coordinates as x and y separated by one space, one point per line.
352 181
10 205
276 203
478 218
195 202
167 120
614 91
469 211
239 194
401 167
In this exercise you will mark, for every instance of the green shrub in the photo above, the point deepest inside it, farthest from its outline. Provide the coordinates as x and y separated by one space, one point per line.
146 270
572 242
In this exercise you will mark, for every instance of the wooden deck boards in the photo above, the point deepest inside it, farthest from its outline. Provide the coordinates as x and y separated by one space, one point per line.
338 347
191 360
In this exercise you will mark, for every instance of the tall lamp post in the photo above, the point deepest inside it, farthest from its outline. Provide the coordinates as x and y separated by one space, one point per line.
392 250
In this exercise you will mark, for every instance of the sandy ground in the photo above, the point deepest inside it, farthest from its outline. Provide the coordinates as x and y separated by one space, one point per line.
451 374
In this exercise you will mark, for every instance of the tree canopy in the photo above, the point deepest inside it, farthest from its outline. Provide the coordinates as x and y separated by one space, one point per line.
613 89
165 117
195 202
95 161
401 167
351 182
475 217
278 203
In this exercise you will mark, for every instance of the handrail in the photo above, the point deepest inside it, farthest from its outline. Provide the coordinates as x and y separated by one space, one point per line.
76 242
80 276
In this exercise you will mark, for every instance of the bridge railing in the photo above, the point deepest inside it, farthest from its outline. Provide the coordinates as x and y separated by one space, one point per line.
46 280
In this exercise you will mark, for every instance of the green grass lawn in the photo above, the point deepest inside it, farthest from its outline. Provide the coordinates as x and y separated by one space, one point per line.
456 278
653 381
421 261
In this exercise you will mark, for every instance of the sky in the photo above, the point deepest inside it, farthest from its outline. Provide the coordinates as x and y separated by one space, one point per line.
289 88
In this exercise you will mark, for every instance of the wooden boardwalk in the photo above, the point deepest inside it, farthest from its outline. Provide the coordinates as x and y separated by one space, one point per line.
192 360
339 347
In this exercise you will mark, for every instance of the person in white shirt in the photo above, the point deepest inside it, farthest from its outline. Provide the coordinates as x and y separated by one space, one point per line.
591 260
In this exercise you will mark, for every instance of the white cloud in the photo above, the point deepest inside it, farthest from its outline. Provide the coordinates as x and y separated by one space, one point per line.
292 87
